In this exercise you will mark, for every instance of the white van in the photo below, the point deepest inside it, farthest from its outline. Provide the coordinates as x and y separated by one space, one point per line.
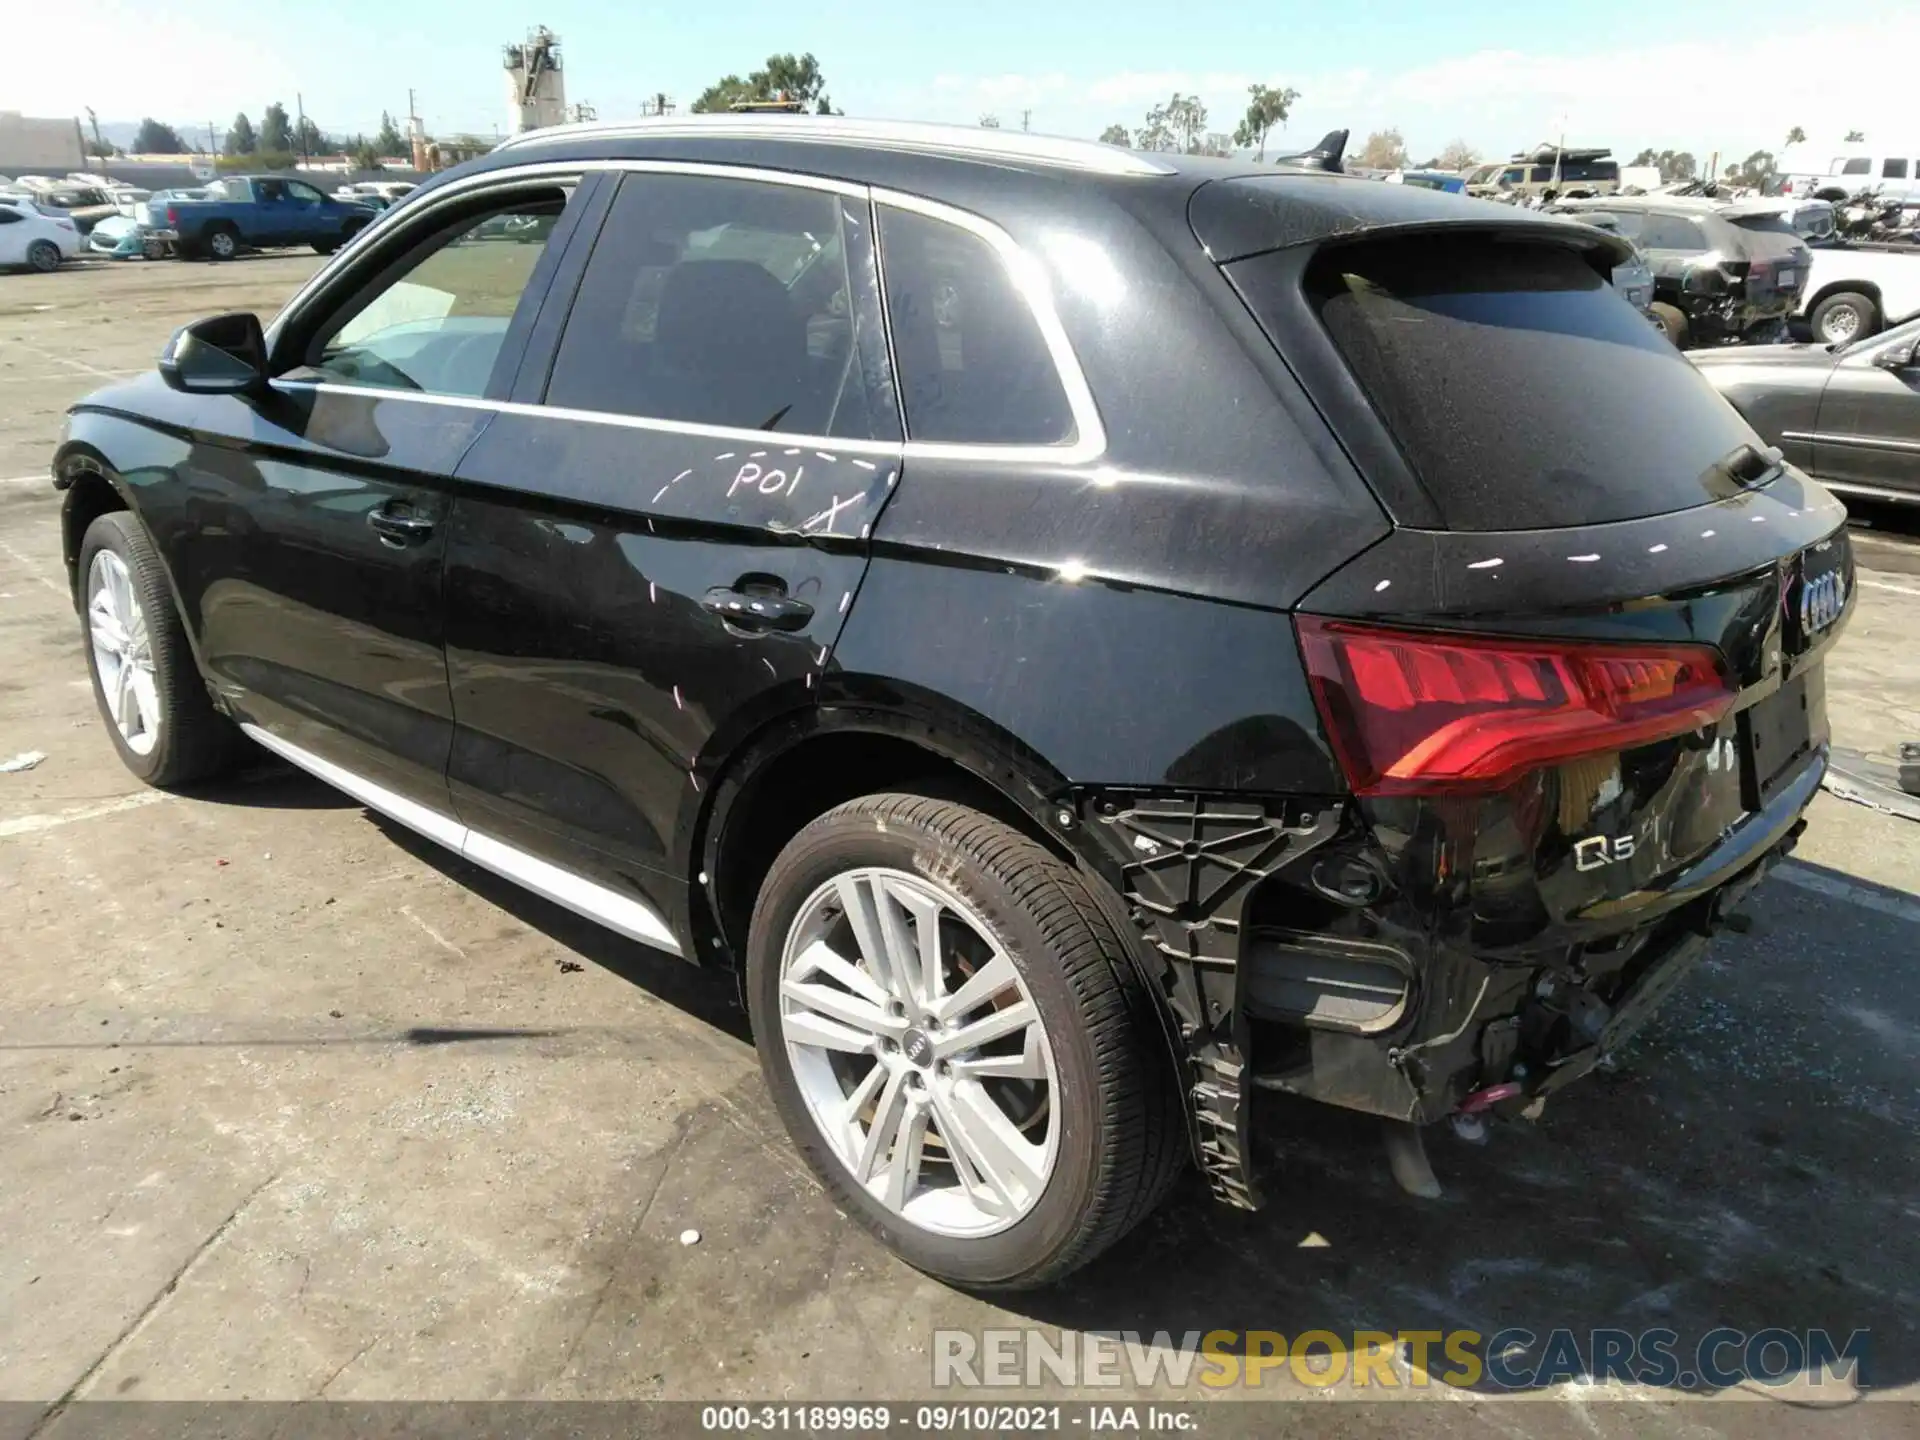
1895 173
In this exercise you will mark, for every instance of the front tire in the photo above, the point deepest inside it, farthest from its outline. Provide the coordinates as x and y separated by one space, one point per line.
1844 317
44 256
158 713
958 1042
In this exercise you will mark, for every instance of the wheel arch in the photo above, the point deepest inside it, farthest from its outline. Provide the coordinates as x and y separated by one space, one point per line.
92 489
798 765
1847 287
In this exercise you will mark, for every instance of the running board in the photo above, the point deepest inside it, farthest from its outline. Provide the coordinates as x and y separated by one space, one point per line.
620 913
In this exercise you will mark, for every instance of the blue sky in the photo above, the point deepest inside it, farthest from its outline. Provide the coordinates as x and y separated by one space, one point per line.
1694 74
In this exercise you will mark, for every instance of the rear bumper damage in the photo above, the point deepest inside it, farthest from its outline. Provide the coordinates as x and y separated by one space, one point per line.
1411 1028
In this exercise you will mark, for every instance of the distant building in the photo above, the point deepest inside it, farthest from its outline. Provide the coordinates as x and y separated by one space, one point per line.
33 146
536 88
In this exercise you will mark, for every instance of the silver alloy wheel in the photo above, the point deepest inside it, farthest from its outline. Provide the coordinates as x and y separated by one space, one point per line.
919 1052
221 243
123 652
44 256
1839 324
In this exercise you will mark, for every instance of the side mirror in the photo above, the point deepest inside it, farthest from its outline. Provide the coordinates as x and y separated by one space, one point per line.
1898 357
221 355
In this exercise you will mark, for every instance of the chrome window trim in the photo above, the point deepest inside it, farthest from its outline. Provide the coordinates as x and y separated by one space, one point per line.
513 177
620 913
1089 435
914 137
889 448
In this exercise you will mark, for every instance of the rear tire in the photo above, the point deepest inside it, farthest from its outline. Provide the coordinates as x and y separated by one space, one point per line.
1843 317
220 243
44 256
1672 321
325 247
145 681
1091 1074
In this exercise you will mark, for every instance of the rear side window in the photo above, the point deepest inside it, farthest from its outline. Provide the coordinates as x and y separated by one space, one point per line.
727 302
1894 170
1859 165
1671 232
1767 236
1524 392
973 367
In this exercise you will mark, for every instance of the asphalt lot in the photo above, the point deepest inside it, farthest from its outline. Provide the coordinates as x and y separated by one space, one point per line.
292 1105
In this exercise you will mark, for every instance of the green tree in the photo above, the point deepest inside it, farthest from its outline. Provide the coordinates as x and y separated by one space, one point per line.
153 138
362 151
1756 170
1796 136
389 140
276 132
1116 135
789 77
1384 150
1856 137
309 139
1266 108
1458 155
1176 125
240 137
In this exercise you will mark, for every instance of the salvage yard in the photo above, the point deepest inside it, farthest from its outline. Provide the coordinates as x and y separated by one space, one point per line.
294 1105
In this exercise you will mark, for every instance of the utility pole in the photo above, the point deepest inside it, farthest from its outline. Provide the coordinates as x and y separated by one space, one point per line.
300 126
99 145
1025 117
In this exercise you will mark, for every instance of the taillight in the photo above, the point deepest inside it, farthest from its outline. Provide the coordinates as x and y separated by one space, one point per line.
1417 713
173 216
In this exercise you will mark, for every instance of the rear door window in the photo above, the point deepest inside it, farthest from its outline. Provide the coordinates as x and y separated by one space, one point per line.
732 303
974 368
1859 165
1523 391
1672 232
1893 170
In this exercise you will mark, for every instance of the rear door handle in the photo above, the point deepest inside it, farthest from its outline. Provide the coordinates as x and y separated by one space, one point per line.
758 610
399 527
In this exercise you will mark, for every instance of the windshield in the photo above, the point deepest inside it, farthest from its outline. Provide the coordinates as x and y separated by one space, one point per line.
1523 390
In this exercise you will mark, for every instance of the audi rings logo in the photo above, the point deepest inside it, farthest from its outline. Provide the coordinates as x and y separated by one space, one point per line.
1821 602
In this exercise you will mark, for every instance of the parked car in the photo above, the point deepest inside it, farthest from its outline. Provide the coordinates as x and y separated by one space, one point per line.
1065 747
35 241
1722 271
1632 275
84 205
262 211
1443 180
1893 172
1549 171
124 237
1853 292
1848 414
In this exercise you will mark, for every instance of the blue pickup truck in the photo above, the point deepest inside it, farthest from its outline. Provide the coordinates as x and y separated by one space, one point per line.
262 211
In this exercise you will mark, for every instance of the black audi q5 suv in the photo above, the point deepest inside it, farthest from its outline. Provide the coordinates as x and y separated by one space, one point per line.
1090 636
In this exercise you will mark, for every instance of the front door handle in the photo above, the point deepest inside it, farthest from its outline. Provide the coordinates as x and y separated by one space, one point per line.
758 609
399 527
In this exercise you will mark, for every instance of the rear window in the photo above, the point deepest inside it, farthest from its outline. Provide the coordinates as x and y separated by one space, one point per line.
1767 235
1524 392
